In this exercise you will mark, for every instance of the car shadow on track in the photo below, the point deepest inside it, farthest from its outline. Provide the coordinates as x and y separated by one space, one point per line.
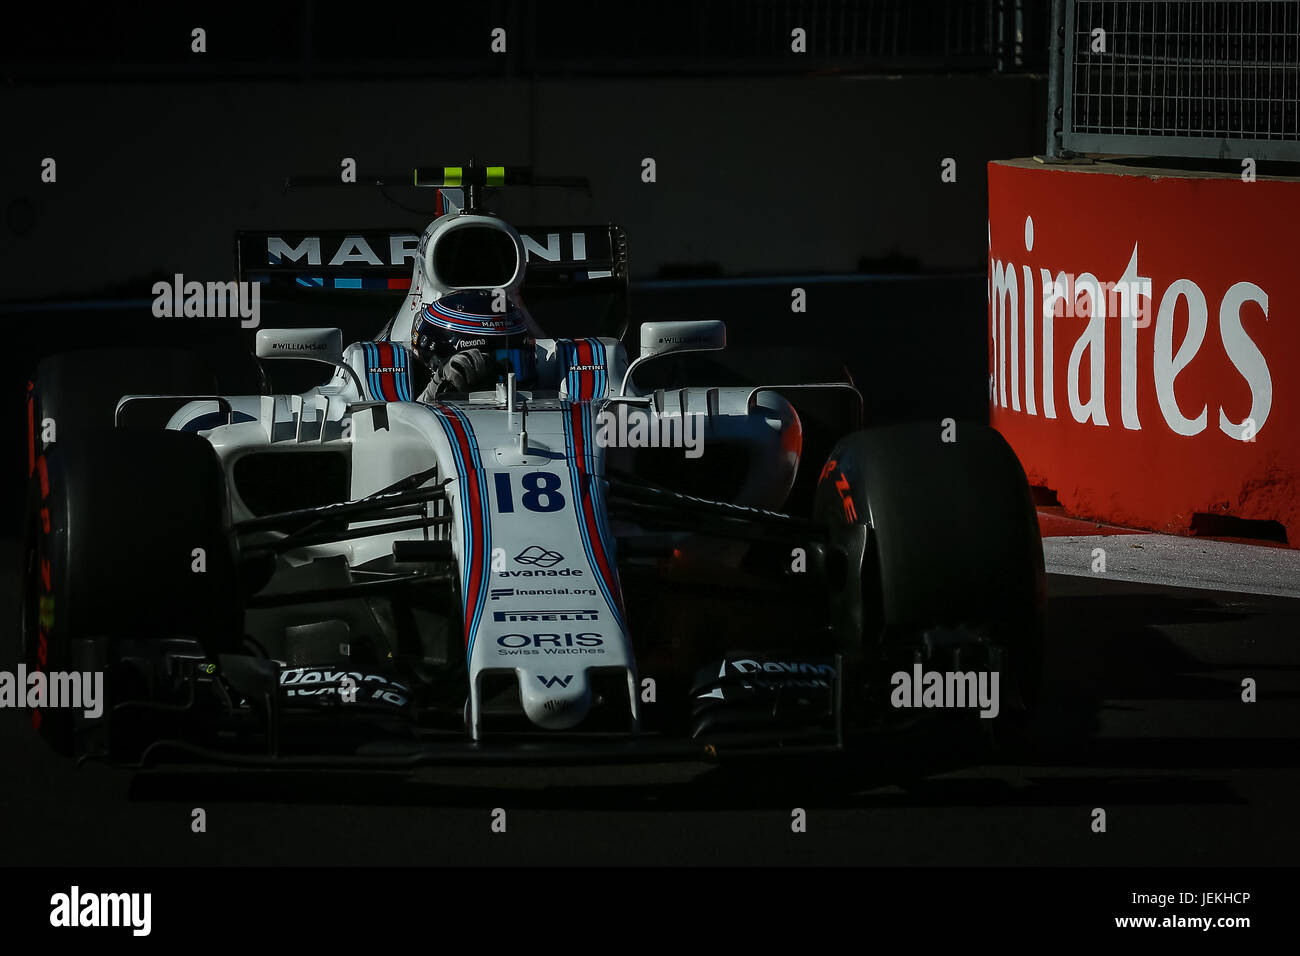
1110 646
1136 773
1113 647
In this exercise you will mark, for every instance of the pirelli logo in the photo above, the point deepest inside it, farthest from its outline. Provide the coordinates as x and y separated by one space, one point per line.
545 616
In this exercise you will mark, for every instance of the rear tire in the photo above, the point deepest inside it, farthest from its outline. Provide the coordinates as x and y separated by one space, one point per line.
79 390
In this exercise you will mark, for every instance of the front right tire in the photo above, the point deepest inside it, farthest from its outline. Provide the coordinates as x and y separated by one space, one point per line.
936 537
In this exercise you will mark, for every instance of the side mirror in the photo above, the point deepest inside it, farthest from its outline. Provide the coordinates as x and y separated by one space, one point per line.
314 345
318 345
659 339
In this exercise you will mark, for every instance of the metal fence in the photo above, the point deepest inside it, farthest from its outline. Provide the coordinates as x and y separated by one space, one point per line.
305 40
1190 78
855 35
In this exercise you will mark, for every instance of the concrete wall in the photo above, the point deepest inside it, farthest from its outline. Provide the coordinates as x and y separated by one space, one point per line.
1160 390
756 175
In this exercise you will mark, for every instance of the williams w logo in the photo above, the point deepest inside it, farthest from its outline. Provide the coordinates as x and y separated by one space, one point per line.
552 681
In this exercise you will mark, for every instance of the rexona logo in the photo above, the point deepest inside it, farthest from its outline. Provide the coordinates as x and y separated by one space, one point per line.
545 616
326 683
1126 301
764 676
783 667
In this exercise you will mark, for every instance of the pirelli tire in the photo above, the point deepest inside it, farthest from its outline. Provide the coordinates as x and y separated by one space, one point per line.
127 535
933 528
75 390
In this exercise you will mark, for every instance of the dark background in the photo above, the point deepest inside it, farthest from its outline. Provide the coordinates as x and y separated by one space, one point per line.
775 170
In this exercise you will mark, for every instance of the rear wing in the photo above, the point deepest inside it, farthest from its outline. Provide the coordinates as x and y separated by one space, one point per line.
575 281
381 260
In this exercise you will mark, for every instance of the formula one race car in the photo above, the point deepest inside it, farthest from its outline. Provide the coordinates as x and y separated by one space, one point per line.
571 554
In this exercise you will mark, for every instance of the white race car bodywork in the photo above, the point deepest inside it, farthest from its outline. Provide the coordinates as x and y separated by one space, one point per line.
533 544
523 473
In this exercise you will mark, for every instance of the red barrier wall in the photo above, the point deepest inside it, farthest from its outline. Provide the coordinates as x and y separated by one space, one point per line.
1164 380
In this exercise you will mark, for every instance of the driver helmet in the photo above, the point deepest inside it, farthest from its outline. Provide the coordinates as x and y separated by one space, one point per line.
463 320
